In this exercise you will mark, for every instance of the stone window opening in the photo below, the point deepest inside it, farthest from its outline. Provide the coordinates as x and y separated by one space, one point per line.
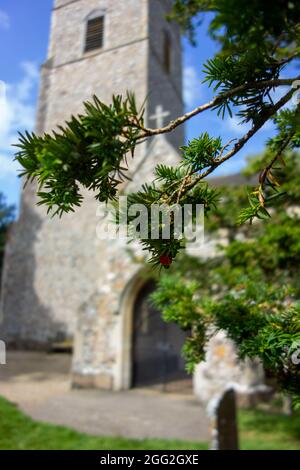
94 38
167 51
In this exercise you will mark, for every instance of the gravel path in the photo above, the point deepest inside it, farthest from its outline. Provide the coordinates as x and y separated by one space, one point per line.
39 384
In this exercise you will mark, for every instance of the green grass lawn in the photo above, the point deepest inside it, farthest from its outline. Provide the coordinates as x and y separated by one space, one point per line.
258 430
261 430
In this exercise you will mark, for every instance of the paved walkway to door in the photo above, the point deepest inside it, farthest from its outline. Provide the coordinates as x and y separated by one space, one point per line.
39 384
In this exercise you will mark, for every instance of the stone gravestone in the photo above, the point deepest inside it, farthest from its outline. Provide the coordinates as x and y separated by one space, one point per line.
223 415
2 353
222 367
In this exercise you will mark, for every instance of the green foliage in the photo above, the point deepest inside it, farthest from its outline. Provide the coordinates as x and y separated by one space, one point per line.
201 153
256 278
251 290
254 314
256 43
231 72
170 192
89 151
248 25
288 127
286 140
92 149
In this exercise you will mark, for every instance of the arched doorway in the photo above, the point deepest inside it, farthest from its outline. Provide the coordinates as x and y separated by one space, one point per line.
156 349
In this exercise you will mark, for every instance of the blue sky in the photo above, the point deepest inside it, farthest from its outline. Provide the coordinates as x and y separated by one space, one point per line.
24 31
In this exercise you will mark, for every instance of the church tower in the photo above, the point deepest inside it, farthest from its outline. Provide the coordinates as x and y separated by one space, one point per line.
110 46
60 281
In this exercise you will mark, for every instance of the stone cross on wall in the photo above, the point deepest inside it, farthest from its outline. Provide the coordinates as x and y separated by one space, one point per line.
159 116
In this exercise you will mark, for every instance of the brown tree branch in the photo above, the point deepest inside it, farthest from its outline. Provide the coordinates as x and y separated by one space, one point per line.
240 143
147 132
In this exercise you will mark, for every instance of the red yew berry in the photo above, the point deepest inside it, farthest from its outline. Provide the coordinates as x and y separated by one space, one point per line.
165 260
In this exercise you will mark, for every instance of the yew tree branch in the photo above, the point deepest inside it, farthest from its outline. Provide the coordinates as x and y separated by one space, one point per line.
240 143
148 132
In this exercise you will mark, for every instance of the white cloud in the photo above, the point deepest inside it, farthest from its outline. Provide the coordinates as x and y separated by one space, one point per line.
4 20
234 126
191 86
8 166
17 112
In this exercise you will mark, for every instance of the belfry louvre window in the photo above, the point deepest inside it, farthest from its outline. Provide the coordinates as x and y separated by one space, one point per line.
94 34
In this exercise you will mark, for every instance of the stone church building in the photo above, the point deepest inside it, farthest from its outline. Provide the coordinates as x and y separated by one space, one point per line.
60 280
